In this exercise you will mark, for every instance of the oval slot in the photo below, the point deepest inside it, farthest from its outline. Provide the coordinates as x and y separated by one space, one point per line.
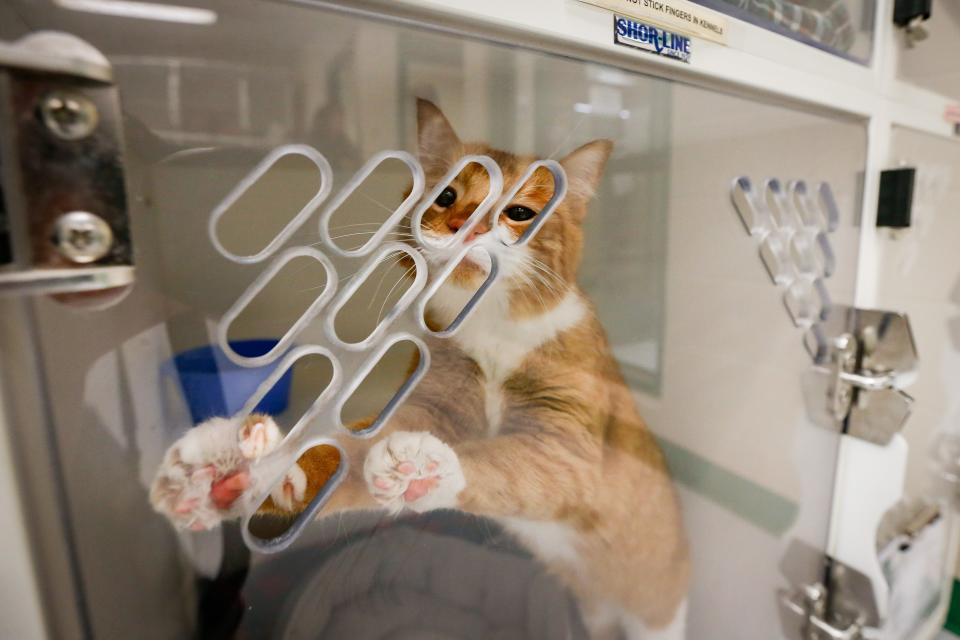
778 206
366 307
775 255
268 530
754 218
286 172
365 201
799 196
459 172
293 401
799 299
314 294
824 299
829 206
381 384
826 257
559 193
469 284
807 301
803 253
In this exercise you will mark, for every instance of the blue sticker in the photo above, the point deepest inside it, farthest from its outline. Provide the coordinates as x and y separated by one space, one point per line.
639 35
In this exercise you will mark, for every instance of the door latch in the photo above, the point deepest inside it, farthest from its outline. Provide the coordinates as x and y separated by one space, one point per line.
808 605
64 225
834 602
862 359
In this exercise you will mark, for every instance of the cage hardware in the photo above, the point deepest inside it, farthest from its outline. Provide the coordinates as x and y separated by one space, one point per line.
831 600
64 225
862 358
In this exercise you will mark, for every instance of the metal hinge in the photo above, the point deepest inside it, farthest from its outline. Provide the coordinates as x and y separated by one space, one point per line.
840 606
862 358
64 227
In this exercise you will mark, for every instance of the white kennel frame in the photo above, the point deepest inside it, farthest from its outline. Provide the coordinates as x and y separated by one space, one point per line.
755 62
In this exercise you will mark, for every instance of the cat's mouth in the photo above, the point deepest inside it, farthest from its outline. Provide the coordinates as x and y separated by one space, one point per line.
477 258
476 262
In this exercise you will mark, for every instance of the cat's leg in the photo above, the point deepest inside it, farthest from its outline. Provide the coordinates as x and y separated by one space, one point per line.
635 629
206 475
210 469
602 620
539 472
533 474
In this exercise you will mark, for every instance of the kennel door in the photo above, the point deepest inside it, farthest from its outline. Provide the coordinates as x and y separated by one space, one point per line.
721 231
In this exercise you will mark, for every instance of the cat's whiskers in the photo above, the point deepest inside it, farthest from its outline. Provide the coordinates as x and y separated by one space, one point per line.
532 286
377 202
365 233
356 224
383 277
538 275
389 293
543 267
342 279
570 133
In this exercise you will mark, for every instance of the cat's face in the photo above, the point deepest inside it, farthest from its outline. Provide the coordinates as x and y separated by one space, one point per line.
534 274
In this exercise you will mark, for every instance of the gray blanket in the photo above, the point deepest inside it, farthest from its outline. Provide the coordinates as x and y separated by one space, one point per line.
404 584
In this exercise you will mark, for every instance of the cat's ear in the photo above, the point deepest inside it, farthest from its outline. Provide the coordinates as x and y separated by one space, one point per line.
437 142
584 167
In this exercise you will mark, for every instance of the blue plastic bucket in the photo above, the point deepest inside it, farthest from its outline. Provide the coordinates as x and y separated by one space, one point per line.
215 386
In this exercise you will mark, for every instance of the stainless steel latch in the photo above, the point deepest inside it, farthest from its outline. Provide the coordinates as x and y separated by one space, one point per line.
808 606
64 225
862 359
832 601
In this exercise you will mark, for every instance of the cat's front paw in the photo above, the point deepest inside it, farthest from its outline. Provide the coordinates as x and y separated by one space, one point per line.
413 470
206 472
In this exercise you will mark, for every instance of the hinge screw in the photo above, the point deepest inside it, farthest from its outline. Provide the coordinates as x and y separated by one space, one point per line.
70 116
82 237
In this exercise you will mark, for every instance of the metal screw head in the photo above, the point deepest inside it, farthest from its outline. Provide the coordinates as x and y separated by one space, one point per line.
82 237
70 116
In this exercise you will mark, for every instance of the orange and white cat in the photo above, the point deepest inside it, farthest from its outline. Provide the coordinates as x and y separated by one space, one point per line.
523 416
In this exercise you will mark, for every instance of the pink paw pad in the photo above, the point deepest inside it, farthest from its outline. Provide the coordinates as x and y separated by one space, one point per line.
413 470
382 482
419 488
186 506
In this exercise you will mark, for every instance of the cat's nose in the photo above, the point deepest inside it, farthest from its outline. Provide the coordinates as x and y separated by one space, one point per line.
455 222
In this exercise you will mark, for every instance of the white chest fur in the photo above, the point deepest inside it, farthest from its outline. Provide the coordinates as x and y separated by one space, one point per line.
549 541
499 344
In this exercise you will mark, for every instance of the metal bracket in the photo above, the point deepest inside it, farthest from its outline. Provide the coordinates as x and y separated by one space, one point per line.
862 358
840 606
63 203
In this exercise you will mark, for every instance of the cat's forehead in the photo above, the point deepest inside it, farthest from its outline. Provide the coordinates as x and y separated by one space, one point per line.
512 166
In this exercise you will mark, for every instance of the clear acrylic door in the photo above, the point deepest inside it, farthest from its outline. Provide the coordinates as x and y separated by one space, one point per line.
924 60
707 250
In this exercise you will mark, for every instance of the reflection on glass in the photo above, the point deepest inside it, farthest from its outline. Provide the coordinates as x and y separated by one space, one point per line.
844 27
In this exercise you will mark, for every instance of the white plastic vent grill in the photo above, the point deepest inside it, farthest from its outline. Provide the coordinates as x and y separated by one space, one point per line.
352 361
791 228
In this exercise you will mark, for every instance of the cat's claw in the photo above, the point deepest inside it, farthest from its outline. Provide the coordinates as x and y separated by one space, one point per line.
292 490
413 470
258 436
205 473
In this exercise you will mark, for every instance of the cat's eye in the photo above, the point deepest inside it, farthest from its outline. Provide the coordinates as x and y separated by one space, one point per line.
446 198
519 213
